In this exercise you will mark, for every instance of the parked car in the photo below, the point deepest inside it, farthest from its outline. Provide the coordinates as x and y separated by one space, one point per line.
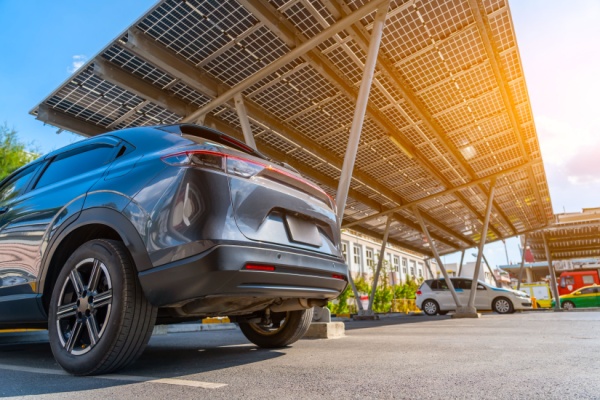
104 238
588 296
540 291
434 297
570 281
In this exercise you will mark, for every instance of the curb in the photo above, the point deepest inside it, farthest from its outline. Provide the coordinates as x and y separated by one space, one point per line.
194 327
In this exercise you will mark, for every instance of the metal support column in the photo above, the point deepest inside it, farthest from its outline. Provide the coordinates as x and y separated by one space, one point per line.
379 264
553 284
428 265
470 309
520 276
359 111
489 267
462 258
244 121
417 214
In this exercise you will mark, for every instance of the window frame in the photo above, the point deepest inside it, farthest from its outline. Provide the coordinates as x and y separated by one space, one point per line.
70 151
36 165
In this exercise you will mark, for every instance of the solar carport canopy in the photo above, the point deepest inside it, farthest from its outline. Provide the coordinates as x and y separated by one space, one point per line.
448 114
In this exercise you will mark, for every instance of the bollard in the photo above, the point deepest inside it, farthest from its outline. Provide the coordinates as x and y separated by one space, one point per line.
534 303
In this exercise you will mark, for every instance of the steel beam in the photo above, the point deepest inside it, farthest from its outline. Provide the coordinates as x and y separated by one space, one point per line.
415 104
112 73
520 276
443 193
432 245
296 52
379 264
460 266
489 267
244 121
428 264
49 115
557 305
471 305
485 32
359 111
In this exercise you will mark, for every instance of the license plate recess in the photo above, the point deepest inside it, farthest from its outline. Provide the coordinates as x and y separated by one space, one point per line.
303 231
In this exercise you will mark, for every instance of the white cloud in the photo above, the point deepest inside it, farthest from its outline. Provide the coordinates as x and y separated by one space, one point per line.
78 61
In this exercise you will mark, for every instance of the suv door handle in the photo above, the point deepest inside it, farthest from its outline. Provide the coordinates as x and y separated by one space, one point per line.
3 210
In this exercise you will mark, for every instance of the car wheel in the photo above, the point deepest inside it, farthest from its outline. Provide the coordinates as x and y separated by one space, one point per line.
568 305
284 329
502 305
99 319
430 307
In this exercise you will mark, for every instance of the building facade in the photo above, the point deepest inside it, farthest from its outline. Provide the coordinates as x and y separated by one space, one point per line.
362 254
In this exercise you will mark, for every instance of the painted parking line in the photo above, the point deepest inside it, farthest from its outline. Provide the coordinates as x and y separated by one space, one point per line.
117 377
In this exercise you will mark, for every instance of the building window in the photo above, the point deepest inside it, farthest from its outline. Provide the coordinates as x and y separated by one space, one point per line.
345 251
420 270
357 258
396 264
369 257
413 266
404 266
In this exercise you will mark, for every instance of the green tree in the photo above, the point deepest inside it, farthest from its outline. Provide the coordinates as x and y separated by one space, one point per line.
13 153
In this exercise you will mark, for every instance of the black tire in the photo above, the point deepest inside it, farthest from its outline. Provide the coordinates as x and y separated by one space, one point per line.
568 305
502 305
110 307
431 307
286 329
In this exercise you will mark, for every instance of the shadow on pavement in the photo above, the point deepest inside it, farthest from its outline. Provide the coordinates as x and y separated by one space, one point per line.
170 356
393 320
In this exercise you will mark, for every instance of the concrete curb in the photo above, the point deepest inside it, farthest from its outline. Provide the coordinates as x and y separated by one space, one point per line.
195 327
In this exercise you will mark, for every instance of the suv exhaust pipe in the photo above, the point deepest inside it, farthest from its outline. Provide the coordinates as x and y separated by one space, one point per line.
297 304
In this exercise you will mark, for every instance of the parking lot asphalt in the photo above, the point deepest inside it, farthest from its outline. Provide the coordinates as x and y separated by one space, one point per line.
542 355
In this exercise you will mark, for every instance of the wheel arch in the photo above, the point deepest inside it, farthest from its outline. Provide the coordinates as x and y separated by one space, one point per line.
94 223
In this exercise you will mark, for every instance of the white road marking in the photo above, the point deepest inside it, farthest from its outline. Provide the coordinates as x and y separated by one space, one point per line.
116 377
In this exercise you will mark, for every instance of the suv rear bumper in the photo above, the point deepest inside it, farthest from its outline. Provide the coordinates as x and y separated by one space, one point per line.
221 271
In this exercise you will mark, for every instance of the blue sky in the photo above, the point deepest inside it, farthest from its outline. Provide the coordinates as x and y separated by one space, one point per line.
42 42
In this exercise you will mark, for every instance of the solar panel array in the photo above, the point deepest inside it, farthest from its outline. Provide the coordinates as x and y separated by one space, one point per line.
459 110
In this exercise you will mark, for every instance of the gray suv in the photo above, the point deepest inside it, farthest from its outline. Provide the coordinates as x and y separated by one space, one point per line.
104 238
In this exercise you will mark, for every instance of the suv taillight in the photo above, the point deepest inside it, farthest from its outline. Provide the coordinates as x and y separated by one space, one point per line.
419 292
241 167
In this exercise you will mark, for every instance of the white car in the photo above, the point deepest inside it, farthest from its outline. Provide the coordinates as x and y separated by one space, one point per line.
433 297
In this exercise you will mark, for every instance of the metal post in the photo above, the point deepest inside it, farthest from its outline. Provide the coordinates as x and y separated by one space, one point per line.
379 264
359 111
488 212
520 276
244 121
437 256
359 306
554 286
489 267
429 268
462 258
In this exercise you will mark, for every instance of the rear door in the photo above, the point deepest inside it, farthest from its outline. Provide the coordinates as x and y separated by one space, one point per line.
56 193
586 297
15 260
